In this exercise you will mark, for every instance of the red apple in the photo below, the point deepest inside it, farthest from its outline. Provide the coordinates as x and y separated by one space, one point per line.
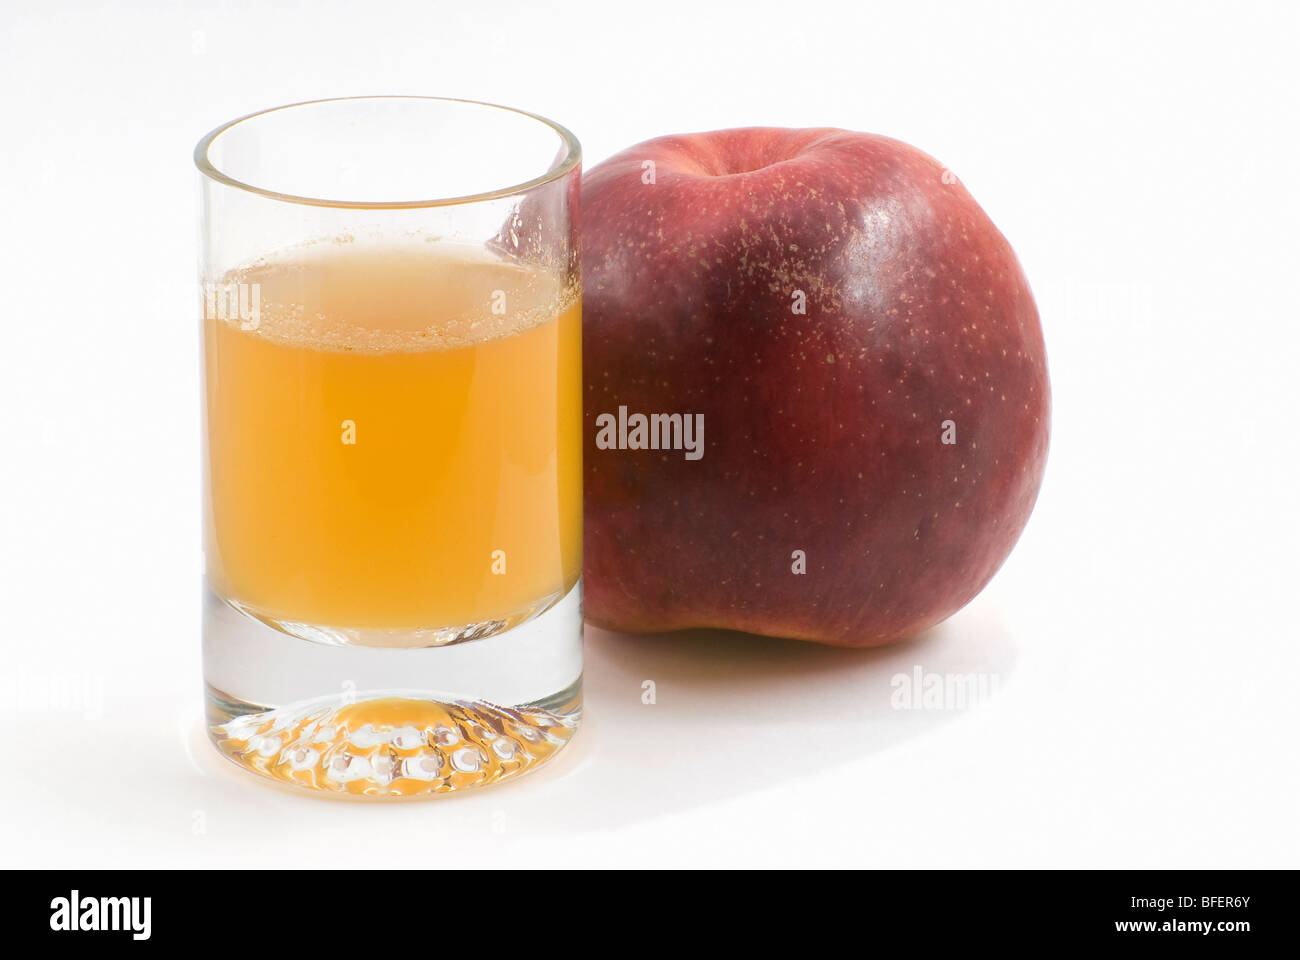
867 463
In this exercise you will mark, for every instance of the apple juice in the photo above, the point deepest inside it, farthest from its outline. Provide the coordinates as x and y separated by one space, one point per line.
393 446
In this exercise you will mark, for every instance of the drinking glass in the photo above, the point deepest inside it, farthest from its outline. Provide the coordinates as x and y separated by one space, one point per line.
392 500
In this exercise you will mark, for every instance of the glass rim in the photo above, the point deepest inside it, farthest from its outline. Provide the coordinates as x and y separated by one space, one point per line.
573 156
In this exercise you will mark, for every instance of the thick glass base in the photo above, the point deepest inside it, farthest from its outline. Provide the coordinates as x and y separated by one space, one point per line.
392 722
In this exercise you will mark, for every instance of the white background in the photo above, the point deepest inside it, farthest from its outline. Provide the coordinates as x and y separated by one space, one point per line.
1140 157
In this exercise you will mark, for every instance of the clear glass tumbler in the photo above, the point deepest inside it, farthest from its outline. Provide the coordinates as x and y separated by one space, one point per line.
391 302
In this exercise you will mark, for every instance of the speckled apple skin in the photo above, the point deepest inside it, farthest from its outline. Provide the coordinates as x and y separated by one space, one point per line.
822 431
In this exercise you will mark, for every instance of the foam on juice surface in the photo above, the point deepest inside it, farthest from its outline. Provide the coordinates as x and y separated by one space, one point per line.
350 297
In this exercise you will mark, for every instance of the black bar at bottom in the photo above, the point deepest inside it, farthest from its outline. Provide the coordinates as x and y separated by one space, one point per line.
327 910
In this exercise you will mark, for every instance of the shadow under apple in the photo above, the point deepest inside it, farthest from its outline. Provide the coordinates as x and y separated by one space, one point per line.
679 720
